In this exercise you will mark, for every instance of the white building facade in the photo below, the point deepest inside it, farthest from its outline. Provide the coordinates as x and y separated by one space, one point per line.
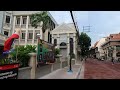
11 20
61 36
99 50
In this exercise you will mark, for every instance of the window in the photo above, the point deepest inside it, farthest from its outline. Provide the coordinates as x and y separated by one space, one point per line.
36 35
55 42
49 37
30 35
7 19
117 48
63 44
23 35
24 20
54 25
118 54
18 20
6 33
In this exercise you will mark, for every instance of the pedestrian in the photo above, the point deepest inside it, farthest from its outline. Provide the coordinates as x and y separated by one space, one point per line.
112 60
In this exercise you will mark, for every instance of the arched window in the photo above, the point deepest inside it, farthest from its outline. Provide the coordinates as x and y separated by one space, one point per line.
49 37
55 42
63 44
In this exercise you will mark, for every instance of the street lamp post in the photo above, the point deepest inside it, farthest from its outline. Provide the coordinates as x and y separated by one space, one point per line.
70 68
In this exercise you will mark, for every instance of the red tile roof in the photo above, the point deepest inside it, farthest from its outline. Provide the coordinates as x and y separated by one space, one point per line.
114 36
96 44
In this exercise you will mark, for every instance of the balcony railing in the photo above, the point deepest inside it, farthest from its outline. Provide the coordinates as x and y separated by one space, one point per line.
7 25
29 26
3 37
23 26
17 25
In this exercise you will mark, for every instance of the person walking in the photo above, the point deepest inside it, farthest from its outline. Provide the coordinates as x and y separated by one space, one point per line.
112 61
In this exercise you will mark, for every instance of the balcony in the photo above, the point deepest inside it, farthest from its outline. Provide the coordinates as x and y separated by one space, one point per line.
23 26
22 41
17 26
6 25
30 27
3 37
29 41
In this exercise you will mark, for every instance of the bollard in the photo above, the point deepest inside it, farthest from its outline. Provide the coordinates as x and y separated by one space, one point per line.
32 64
52 68
61 64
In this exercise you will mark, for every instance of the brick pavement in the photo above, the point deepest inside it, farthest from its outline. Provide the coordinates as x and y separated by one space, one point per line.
95 69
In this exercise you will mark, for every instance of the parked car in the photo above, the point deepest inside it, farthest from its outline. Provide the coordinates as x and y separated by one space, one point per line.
102 58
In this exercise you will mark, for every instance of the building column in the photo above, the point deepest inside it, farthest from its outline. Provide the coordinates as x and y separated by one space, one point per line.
14 22
74 44
26 30
52 39
58 41
68 44
20 21
33 37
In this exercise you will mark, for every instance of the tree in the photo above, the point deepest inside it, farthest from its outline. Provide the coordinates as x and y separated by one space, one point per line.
37 18
85 43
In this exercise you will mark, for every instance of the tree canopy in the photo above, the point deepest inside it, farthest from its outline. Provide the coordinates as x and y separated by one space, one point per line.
37 18
85 43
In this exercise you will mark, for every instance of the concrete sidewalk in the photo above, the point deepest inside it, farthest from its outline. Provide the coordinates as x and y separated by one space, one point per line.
64 74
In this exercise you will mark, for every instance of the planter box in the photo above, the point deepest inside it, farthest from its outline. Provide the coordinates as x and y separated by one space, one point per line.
9 71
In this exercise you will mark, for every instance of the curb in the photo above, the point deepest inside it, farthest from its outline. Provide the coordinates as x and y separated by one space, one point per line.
78 74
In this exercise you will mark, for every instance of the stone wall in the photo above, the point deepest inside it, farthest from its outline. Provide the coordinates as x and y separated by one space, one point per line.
24 73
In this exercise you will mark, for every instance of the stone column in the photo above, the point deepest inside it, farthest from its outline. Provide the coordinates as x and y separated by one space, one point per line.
52 39
74 45
33 37
32 64
52 65
58 40
21 21
68 45
26 30
14 22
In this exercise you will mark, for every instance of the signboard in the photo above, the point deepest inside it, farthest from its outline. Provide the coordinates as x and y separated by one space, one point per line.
45 52
9 71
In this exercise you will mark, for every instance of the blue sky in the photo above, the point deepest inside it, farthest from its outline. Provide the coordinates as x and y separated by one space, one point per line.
102 23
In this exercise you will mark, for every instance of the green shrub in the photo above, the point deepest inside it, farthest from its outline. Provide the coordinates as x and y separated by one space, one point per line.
22 54
57 51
